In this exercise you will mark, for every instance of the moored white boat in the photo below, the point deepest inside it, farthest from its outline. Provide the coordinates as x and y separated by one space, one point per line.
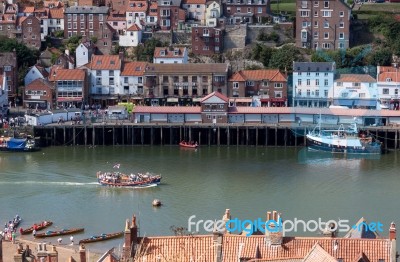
341 140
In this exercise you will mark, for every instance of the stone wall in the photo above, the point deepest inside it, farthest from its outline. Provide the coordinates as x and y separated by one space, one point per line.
285 33
235 37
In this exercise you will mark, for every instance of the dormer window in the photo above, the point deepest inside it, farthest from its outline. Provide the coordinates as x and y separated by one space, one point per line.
166 3
112 62
132 5
162 53
137 68
98 62
388 79
176 52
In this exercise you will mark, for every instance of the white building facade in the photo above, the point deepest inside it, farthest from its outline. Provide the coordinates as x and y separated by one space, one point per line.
355 91
105 73
313 84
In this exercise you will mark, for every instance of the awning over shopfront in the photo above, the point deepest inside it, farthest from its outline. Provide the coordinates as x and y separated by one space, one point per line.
64 99
355 102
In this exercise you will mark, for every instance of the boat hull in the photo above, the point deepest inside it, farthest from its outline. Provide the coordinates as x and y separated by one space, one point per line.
60 233
187 145
101 238
144 184
39 227
373 148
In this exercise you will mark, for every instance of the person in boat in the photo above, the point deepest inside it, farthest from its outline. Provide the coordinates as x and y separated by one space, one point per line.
21 230
34 232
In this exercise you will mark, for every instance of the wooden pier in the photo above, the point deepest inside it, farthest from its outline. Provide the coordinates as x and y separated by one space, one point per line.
130 134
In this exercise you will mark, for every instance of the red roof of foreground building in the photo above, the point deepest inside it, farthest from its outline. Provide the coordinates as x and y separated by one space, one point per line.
133 69
217 94
168 109
70 74
271 74
105 62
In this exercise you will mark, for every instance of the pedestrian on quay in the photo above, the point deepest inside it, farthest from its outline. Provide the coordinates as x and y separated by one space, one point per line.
13 235
72 240
34 232
59 240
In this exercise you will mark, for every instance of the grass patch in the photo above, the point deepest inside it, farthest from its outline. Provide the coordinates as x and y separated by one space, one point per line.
288 7
366 16
381 7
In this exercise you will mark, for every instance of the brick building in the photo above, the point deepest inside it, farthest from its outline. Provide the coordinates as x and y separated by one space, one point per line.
8 19
185 80
207 40
270 85
8 66
246 11
170 15
39 94
322 24
30 31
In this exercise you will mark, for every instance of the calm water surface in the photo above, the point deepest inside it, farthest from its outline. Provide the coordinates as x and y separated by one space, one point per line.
59 184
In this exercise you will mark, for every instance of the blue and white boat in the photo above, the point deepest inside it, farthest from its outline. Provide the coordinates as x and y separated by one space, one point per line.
341 140
12 144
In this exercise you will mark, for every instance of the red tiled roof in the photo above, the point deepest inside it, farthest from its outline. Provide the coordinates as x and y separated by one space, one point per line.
53 72
137 6
38 84
56 13
116 18
194 2
133 68
393 76
28 9
271 74
54 3
217 94
154 6
299 247
134 27
168 109
106 62
5 18
356 78
70 74
168 53
21 19
178 248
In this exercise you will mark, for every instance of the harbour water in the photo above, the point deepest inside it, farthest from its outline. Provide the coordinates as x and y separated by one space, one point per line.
59 184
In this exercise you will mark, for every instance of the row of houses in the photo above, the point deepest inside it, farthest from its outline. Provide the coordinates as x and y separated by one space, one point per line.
108 79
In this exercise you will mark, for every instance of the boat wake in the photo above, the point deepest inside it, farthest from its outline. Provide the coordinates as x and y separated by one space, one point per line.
48 183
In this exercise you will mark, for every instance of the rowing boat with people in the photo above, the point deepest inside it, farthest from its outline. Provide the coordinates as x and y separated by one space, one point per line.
59 232
36 227
118 179
101 237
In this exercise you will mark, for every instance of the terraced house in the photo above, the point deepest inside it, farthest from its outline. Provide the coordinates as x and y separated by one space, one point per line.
322 24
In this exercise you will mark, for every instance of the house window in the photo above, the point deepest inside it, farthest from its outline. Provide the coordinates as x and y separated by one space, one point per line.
90 25
326 45
69 25
90 17
341 25
75 17
308 82
315 35
316 3
385 91
249 83
299 82
29 29
326 35
82 25
100 17
82 17
315 24
111 81
235 85
317 82
315 13
278 85
388 80
308 92
339 84
341 35
69 17
304 14
326 24
341 14
326 4
278 94
325 93
326 82
341 45
259 10
98 72
326 13
125 80
317 93
304 24
361 95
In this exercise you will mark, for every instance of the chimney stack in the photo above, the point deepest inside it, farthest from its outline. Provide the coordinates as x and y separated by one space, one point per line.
134 235
82 253
273 230
392 231
121 55
127 241
226 217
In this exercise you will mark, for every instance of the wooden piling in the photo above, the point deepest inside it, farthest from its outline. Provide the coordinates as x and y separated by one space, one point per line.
228 135
237 136
276 136
73 134
286 133
151 135
85 135
256 136
247 135
218 136
65 135
142 135
93 136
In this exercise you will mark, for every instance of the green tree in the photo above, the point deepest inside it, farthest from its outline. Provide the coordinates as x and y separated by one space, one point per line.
25 55
73 43
145 52
381 57
283 58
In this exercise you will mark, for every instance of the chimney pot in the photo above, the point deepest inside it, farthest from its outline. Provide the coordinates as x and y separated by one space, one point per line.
392 231
274 215
268 215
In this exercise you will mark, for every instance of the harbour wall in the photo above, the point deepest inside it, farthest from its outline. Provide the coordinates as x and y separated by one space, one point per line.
131 134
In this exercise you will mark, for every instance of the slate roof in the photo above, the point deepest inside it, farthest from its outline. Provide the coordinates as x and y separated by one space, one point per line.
187 68
8 58
173 3
314 66
361 231
87 10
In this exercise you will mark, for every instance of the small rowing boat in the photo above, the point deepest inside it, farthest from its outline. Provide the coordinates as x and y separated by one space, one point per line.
36 227
101 237
60 232
188 145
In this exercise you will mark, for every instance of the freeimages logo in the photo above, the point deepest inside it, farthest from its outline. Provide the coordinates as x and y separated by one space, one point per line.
275 226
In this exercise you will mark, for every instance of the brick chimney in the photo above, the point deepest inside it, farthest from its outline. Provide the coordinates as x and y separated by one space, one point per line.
134 235
53 254
226 217
127 241
82 253
217 244
274 235
121 56
392 231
